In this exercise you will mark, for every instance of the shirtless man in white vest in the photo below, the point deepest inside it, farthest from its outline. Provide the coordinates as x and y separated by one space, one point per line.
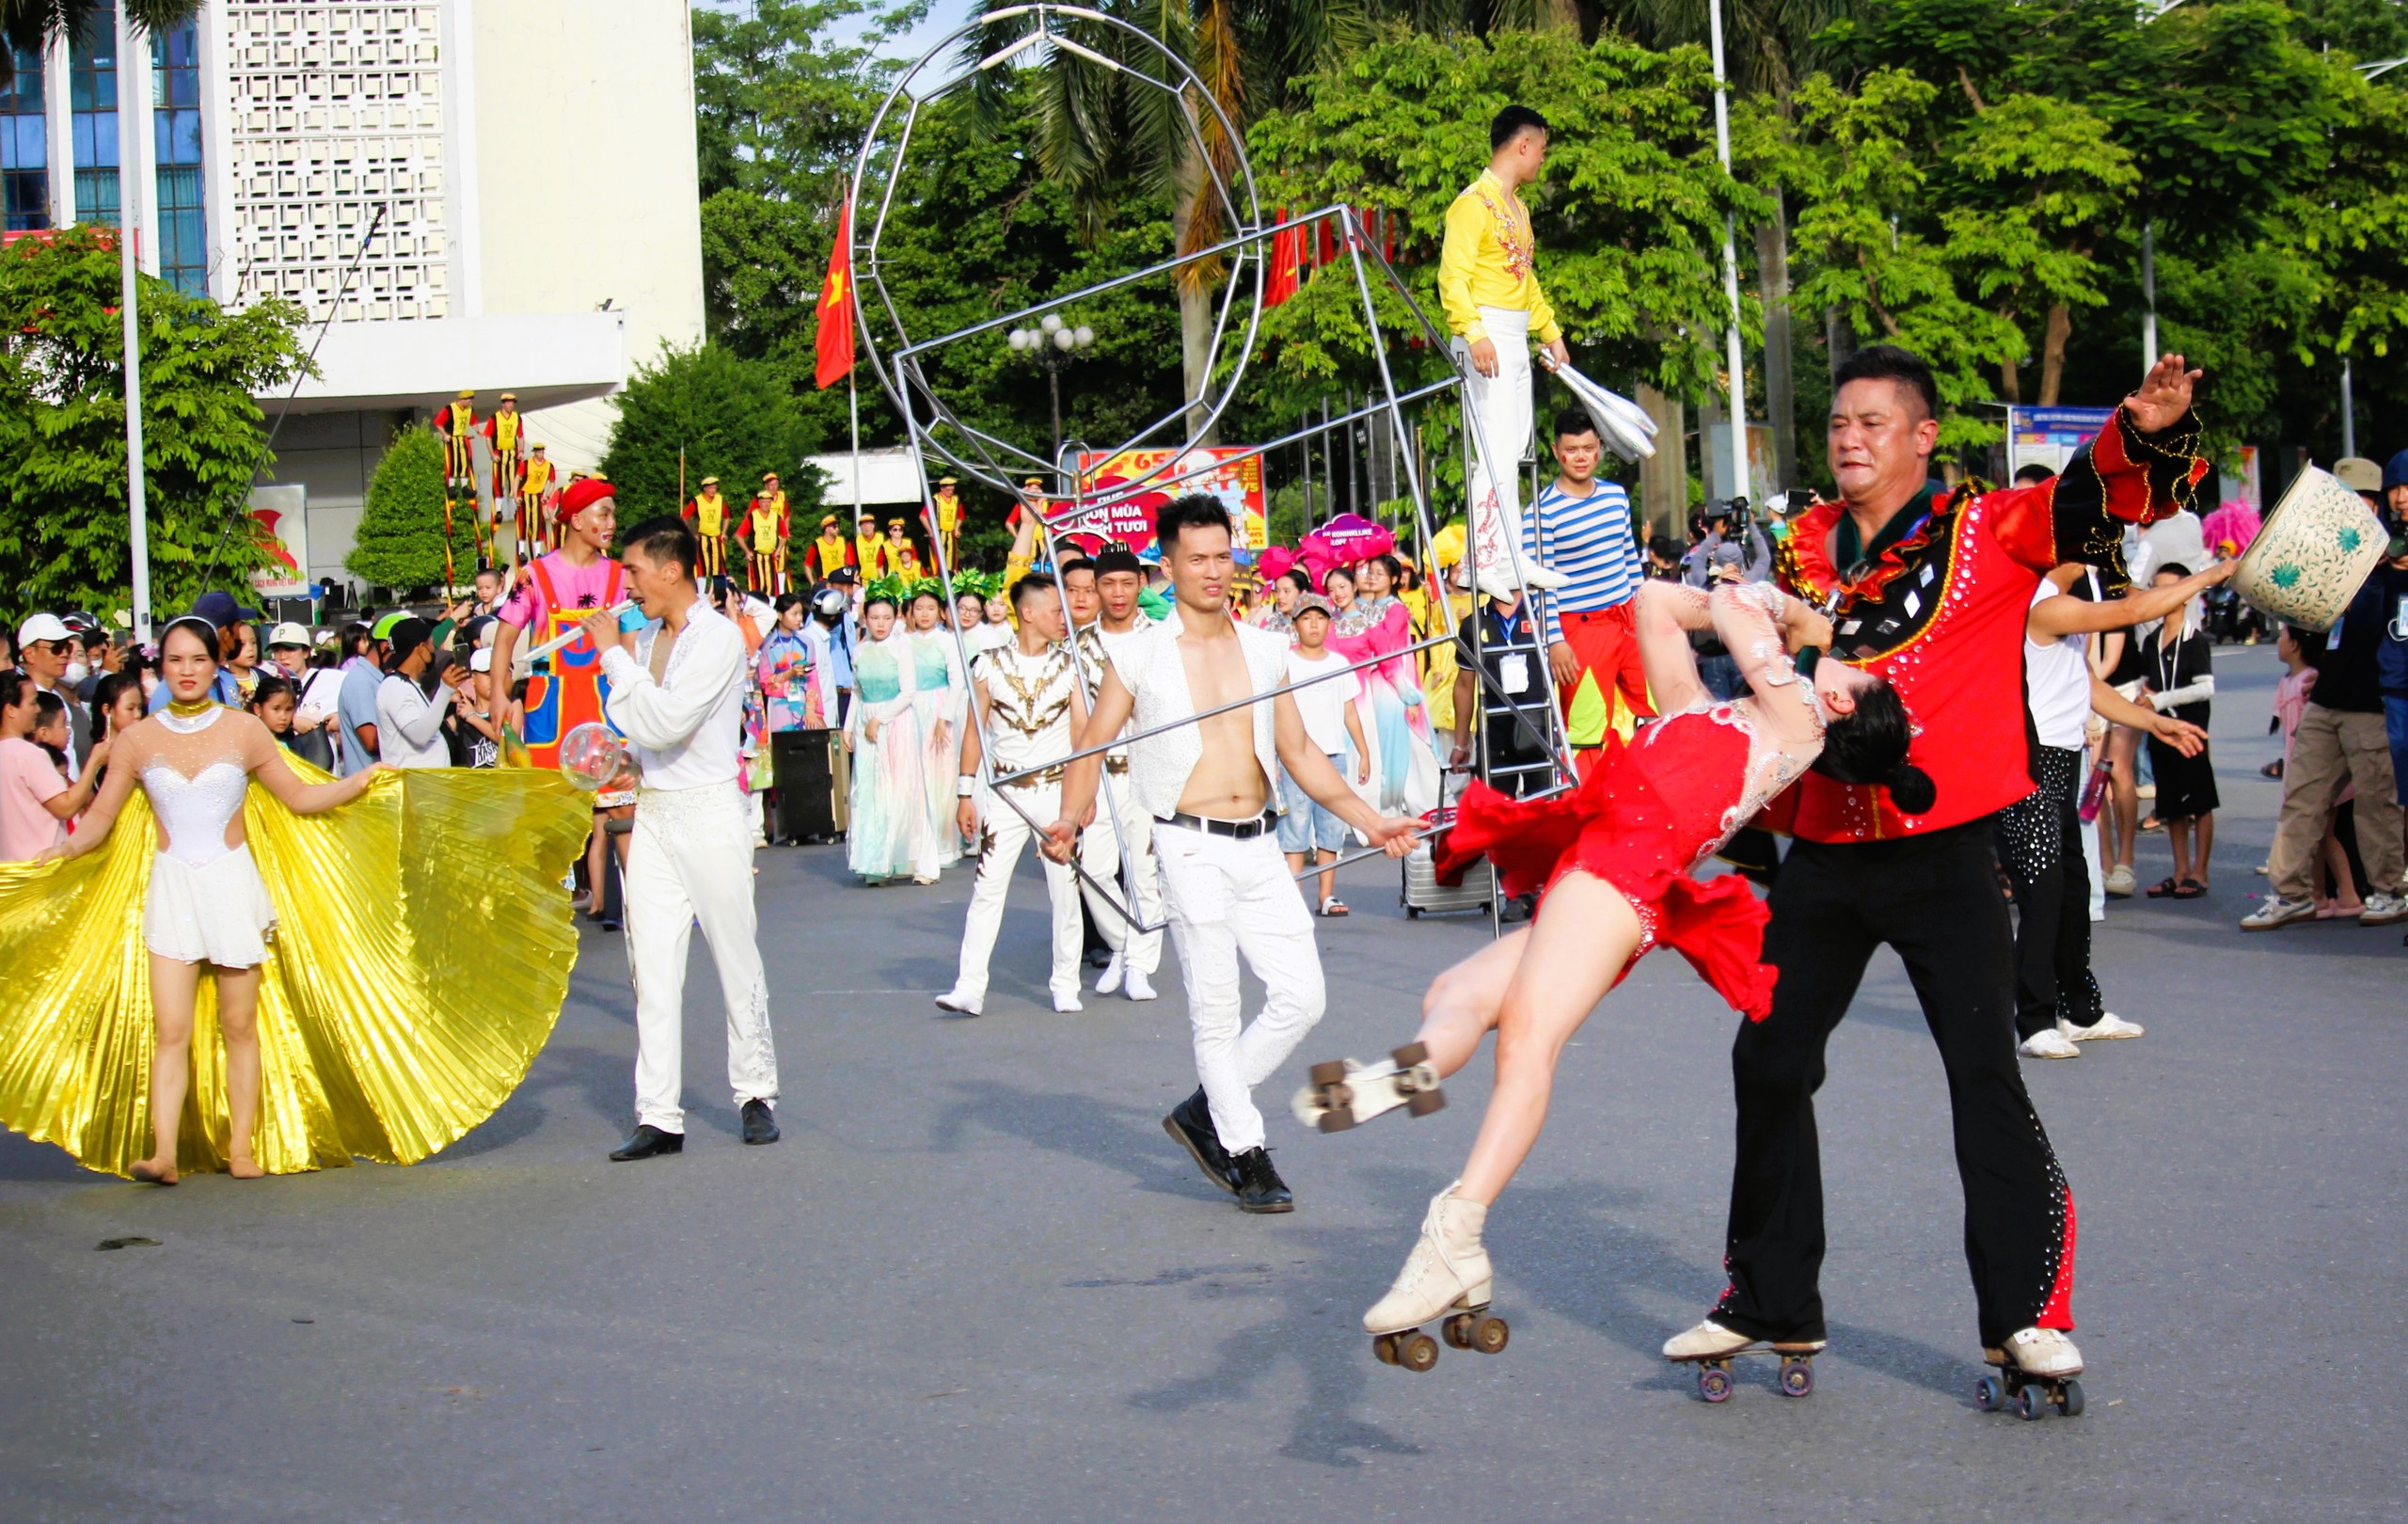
1209 787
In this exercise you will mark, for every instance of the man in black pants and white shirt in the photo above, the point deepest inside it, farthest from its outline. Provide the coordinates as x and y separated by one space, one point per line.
1211 788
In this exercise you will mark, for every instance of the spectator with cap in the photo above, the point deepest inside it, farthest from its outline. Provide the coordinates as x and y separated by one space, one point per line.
44 646
409 719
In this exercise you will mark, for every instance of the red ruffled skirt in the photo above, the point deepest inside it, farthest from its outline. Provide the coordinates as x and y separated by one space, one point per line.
1642 814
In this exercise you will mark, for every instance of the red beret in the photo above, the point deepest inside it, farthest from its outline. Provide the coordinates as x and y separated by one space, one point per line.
581 496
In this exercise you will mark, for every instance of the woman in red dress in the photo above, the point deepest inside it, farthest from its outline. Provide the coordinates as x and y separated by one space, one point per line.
1613 859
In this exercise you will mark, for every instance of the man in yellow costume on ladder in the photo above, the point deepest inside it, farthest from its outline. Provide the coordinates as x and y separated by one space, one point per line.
1494 305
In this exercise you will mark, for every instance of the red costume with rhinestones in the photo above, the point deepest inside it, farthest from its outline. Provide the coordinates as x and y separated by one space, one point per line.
1643 820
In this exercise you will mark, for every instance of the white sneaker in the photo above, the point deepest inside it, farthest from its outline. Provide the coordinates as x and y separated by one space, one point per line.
1110 979
2121 881
2277 910
960 1004
2108 1025
2043 1351
1135 987
2047 1042
1066 1003
2381 910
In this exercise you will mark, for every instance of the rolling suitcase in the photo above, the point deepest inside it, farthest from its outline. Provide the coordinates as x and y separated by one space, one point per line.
1424 895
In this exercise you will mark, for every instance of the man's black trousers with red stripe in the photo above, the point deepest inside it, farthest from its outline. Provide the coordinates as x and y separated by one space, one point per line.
1935 898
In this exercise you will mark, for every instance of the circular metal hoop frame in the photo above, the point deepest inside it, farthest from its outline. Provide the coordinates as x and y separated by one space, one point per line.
974 451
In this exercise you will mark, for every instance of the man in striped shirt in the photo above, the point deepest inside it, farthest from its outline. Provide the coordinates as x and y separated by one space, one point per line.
1585 533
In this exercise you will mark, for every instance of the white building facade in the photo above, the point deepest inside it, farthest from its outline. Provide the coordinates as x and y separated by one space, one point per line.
527 167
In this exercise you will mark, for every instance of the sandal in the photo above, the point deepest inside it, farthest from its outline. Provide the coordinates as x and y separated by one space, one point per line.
2163 888
2189 889
1332 907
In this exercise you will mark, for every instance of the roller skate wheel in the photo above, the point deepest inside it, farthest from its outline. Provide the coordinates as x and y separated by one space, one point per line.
1383 1345
1410 1055
1417 1351
1423 1103
1714 1383
1336 1119
1797 1377
2030 1404
2068 1398
1990 1394
1488 1335
1457 1330
1329 1073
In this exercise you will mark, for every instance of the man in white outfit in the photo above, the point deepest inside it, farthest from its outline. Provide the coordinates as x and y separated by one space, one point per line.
1120 577
1210 785
1489 288
1029 707
677 695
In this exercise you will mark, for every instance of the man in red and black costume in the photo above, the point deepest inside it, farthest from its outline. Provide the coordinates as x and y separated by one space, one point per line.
1930 589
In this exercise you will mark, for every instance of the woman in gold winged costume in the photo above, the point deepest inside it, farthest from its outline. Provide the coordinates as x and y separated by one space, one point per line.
328 913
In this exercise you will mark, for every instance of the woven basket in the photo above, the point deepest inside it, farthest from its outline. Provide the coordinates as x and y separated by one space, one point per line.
2312 555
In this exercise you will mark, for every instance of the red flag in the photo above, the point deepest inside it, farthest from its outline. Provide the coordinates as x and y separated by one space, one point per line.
1286 251
836 307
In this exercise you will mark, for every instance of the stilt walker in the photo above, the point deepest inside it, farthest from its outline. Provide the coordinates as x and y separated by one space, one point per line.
535 485
505 433
1490 288
764 537
455 425
707 515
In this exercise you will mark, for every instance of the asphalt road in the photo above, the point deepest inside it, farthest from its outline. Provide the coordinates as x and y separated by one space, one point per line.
976 1281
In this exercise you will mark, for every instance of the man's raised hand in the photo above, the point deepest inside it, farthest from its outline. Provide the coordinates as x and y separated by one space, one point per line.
2164 394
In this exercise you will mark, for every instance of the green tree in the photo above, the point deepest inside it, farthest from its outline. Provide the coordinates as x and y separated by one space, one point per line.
63 525
727 416
400 540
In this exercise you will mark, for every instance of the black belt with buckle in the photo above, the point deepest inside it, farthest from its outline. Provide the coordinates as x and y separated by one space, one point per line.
1235 830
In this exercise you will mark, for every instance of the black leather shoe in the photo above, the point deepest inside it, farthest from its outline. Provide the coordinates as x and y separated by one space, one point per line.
760 1125
648 1142
1259 1187
1191 1123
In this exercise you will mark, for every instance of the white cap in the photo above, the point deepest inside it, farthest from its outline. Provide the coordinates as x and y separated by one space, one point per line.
42 626
288 633
480 659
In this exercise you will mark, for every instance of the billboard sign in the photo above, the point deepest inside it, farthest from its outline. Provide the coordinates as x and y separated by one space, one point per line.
1229 472
2048 436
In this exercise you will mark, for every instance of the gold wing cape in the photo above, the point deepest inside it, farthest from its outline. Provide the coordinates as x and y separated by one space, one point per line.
421 953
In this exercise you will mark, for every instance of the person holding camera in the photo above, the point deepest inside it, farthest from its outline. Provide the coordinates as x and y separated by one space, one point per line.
420 685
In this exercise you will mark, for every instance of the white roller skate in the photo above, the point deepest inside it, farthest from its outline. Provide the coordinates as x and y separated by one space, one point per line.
1344 1092
1446 1273
1711 1348
2036 1370
1494 562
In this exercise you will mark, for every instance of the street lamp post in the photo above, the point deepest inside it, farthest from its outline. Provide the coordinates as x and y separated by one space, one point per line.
1053 344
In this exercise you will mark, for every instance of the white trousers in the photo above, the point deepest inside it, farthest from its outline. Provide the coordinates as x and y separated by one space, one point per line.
690 860
1502 404
1004 834
1099 854
1229 899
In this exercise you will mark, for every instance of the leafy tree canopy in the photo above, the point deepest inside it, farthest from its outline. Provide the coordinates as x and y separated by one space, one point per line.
63 525
721 414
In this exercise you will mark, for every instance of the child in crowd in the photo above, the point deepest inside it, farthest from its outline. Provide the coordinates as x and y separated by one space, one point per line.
1308 829
2178 678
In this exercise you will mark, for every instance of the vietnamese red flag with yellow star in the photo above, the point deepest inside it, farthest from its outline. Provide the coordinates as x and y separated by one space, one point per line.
836 307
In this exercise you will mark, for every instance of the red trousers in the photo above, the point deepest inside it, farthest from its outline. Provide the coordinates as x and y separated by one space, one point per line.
1612 685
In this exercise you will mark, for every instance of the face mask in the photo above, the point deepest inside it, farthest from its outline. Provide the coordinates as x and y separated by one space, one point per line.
76 672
